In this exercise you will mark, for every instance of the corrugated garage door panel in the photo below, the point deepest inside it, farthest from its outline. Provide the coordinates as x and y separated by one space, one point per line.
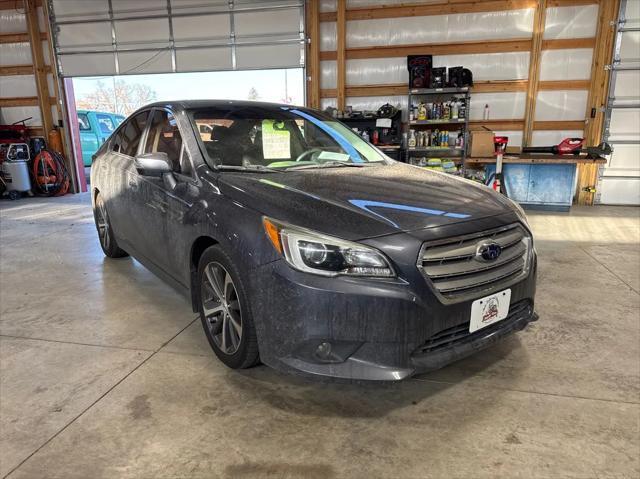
119 37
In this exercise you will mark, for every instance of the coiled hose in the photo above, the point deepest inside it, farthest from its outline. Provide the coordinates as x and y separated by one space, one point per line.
50 175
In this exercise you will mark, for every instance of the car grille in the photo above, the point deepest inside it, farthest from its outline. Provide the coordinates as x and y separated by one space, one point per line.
455 271
460 333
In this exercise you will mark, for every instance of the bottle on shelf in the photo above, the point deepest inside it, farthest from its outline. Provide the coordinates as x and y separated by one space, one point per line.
446 111
454 109
411 115
412 138
422 111
485 114
462 110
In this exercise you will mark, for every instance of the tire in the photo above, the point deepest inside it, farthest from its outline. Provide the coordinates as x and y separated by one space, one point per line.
227 324
105 231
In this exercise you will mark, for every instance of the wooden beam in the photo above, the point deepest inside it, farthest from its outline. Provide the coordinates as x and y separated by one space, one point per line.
313 53
470 47
570 3
559 125
564 85
19 37
341 47
11 70
460 48
504 125
486 86
497 86
42 85
602 56
24 101
519 124
15 4
36 130
598 93
568 43
587 179
534 71
8 70
445 7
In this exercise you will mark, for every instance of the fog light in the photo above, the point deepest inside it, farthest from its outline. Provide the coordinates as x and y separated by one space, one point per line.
324 350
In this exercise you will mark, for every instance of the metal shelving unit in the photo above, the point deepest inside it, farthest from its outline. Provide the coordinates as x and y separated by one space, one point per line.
434 95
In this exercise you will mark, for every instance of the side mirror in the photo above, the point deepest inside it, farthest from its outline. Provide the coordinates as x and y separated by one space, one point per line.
153 164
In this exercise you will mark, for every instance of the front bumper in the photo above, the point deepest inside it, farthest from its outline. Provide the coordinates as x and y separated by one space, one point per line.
377 329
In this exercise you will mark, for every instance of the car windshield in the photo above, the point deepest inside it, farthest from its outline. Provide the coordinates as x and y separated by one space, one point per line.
281 138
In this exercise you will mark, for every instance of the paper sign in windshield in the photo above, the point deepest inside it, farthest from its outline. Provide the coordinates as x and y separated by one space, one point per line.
276 142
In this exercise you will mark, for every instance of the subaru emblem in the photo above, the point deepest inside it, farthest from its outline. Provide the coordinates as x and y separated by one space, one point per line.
488 251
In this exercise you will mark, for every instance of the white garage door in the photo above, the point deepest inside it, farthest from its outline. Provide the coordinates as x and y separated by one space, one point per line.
124 37
620 180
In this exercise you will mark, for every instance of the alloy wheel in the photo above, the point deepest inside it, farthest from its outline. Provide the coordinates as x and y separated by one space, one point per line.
221 308
102 224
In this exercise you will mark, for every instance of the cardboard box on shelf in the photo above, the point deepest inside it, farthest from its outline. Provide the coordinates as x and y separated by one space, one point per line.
481 143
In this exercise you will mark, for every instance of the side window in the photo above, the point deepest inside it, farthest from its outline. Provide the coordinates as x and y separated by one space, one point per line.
83 122
105 123
164 136
128 138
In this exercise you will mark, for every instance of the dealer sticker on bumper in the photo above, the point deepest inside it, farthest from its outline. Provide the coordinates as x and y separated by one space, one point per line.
489 310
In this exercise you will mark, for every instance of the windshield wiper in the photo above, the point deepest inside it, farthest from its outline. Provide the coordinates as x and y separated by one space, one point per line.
248 168
326 164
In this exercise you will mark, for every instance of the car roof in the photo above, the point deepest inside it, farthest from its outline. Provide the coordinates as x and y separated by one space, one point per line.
194 104
101 112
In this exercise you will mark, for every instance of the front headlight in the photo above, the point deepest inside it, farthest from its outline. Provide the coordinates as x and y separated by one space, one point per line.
316 253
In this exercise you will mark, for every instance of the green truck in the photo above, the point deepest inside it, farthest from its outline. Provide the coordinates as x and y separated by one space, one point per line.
95 127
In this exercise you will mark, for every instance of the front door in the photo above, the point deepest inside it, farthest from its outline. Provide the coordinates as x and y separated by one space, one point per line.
165 206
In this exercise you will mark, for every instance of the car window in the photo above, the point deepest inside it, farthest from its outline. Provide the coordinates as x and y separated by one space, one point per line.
164 136
279 138
128 137
83 122
106 124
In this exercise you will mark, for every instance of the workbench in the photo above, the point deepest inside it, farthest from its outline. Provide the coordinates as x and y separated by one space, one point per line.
546 182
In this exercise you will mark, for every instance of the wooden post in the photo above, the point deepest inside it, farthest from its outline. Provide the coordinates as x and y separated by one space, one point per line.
602 56
534 71
39 68
341 27
313 53
597 99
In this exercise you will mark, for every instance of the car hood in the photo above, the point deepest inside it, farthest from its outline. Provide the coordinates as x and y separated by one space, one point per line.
359 203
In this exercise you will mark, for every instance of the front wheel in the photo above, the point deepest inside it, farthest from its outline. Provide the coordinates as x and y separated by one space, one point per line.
224 311
105 231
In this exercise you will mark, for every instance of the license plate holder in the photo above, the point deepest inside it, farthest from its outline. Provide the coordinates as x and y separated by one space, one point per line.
489 310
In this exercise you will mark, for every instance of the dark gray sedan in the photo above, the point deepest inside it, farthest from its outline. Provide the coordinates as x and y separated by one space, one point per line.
305 247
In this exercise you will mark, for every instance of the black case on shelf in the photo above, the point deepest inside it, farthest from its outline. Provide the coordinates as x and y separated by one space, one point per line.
460 77
419 70
438 77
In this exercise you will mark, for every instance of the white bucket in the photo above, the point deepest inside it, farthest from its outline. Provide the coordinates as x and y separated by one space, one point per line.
16 175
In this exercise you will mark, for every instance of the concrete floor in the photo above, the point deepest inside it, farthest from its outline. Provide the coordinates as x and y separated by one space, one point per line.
105 373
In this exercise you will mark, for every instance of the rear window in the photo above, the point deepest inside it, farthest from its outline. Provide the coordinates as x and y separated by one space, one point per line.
83 122
106 124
